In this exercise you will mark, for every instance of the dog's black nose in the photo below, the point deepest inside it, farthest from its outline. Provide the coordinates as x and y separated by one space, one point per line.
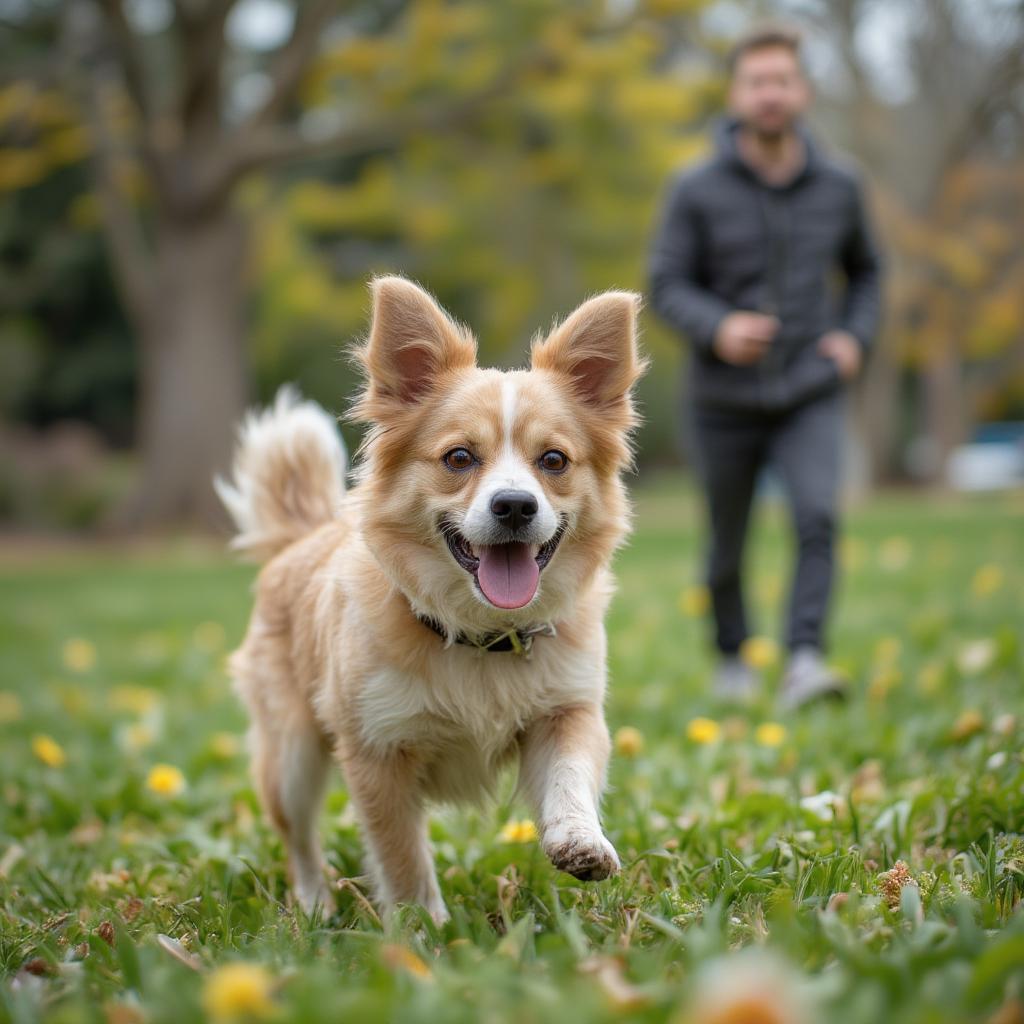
514 509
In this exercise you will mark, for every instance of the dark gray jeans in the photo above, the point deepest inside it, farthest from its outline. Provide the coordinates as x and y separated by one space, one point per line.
804 446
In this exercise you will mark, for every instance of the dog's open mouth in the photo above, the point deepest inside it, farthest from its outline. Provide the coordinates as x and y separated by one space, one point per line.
507 574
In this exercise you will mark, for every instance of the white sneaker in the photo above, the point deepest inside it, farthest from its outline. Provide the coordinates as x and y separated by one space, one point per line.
808 678
734 680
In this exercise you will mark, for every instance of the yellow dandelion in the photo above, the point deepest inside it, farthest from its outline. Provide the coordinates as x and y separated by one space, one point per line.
224 745
48 750
760 652
523 831
166 780
132 698
399 958
987 580
209 636
894 554
703 730
629 741
887 650
967 725
238 991
10 707
885 679
79 655
930 677
695 601
770 734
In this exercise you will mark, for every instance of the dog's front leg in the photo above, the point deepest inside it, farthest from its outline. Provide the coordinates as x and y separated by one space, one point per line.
386 794
562 769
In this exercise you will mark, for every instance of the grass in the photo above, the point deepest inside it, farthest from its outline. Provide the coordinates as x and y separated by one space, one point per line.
117 658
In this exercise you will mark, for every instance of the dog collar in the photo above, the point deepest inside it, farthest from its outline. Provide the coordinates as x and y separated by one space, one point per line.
516 641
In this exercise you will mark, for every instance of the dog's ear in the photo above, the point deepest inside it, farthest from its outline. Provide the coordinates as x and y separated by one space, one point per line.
596 346
412 343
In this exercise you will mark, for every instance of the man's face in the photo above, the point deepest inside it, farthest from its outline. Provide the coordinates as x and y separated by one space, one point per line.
768 91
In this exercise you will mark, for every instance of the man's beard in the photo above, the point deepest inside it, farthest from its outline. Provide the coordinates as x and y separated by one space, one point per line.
771 133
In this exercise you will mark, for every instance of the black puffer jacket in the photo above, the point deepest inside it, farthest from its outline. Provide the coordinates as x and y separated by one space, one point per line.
728 241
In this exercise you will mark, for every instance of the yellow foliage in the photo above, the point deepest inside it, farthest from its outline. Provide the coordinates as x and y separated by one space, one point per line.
66 146
961 261
21 168
368 204
647 98
998 323
84 211
428 222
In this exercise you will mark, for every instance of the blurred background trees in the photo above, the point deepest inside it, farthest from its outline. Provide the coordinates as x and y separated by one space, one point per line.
193 194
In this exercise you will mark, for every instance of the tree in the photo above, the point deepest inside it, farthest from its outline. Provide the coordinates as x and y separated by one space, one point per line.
161 104
182 112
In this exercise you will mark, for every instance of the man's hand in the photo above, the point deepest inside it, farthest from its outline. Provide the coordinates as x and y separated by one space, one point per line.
844 348
743 338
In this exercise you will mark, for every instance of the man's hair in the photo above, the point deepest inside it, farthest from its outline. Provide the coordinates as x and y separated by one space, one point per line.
764 38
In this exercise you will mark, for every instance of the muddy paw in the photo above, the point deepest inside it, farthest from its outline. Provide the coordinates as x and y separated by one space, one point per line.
584 856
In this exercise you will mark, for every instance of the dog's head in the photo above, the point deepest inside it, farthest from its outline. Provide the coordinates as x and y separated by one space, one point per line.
492 497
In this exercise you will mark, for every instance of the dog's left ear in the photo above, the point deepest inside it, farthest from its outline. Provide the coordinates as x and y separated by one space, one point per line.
596 346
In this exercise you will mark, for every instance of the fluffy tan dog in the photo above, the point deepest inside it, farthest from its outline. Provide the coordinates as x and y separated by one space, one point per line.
444 617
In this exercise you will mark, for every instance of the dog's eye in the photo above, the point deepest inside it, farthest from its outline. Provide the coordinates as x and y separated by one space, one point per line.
554 461
459 458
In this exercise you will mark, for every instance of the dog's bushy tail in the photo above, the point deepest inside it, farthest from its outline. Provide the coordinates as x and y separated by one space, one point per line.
288 476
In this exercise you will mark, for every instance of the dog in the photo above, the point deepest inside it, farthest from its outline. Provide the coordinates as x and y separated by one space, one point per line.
444 616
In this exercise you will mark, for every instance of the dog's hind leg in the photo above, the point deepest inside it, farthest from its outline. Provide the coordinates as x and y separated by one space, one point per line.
290 761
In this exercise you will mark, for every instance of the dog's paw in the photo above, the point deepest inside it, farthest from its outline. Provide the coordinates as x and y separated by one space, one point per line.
581 853
439 913
314 896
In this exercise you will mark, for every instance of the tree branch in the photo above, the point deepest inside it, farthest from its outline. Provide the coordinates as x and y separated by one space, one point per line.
254 150
291 61
129 252
128 55
201 50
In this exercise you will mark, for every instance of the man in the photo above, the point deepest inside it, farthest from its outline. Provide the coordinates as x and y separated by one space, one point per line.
744 265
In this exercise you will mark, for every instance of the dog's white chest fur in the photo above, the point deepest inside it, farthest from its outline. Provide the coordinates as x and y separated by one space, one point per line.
465 719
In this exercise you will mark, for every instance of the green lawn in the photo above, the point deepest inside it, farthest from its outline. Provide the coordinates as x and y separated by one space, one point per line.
117 657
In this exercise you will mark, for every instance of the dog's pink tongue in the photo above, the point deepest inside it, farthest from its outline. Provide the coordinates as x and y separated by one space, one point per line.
508 574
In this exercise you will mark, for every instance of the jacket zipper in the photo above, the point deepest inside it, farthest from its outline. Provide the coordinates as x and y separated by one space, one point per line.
769 376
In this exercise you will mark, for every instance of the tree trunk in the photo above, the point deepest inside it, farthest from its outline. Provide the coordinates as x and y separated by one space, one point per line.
945 415
876 419
193 379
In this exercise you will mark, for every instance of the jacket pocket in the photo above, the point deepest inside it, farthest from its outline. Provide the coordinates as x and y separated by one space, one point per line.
811 375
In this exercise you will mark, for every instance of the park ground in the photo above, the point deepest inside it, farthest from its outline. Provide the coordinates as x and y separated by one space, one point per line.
857 863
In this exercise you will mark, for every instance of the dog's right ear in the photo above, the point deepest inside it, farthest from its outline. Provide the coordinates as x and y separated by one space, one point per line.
413 343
